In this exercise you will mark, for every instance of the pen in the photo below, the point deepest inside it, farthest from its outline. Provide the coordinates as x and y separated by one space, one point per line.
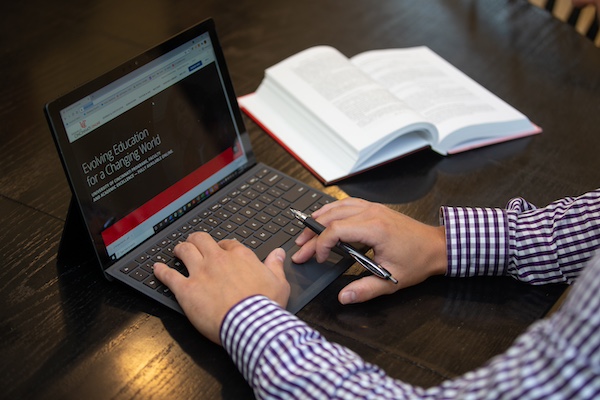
362 259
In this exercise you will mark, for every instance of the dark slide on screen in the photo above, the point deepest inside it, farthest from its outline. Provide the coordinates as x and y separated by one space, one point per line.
141 153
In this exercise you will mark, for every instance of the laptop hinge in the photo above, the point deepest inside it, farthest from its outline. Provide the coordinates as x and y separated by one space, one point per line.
75 245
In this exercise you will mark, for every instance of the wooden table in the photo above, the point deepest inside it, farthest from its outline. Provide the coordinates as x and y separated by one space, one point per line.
67 333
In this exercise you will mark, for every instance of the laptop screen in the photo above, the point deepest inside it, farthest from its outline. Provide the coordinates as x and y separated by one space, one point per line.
150 140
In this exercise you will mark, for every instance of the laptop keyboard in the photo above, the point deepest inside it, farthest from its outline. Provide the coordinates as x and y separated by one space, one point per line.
256 213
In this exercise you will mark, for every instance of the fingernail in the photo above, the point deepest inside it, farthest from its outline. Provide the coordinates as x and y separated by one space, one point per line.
348 297
280 254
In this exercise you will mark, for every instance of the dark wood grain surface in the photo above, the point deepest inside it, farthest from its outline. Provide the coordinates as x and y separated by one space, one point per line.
65 332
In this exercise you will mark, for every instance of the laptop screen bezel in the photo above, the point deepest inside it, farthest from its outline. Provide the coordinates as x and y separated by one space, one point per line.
52 112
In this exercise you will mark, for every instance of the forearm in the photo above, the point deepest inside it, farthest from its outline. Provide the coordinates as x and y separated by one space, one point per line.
546 245
282 357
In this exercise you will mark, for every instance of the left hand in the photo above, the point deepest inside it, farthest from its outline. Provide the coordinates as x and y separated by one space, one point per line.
220 276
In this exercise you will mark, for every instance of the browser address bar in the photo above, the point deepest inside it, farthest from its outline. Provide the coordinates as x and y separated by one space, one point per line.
152 74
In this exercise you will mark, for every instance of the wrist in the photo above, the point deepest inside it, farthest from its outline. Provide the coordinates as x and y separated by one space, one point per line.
439 261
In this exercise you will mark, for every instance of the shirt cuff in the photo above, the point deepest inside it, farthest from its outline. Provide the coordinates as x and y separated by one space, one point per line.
248 329
477 241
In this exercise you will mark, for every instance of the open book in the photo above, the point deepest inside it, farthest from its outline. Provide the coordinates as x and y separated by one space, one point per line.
340 116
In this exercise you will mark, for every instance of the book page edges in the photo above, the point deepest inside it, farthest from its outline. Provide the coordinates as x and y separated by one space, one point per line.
483 142
307 154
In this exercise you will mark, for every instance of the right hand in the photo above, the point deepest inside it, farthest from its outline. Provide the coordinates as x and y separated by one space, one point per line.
410 250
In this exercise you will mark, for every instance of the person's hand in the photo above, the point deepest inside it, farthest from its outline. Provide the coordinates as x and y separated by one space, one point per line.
410 250
220 276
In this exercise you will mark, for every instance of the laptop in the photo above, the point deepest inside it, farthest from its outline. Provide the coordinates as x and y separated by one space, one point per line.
156 149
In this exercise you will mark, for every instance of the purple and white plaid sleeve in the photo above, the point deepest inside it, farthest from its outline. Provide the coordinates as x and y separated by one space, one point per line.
283 358
545 245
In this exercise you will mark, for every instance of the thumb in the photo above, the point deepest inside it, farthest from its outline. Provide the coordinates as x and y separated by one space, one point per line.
365 289
274 262
280 292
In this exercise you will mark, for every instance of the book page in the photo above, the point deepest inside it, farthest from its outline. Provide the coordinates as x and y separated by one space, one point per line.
356 108
443 94
321 157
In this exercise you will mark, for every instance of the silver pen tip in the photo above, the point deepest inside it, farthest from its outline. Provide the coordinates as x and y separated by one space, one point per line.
298 214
